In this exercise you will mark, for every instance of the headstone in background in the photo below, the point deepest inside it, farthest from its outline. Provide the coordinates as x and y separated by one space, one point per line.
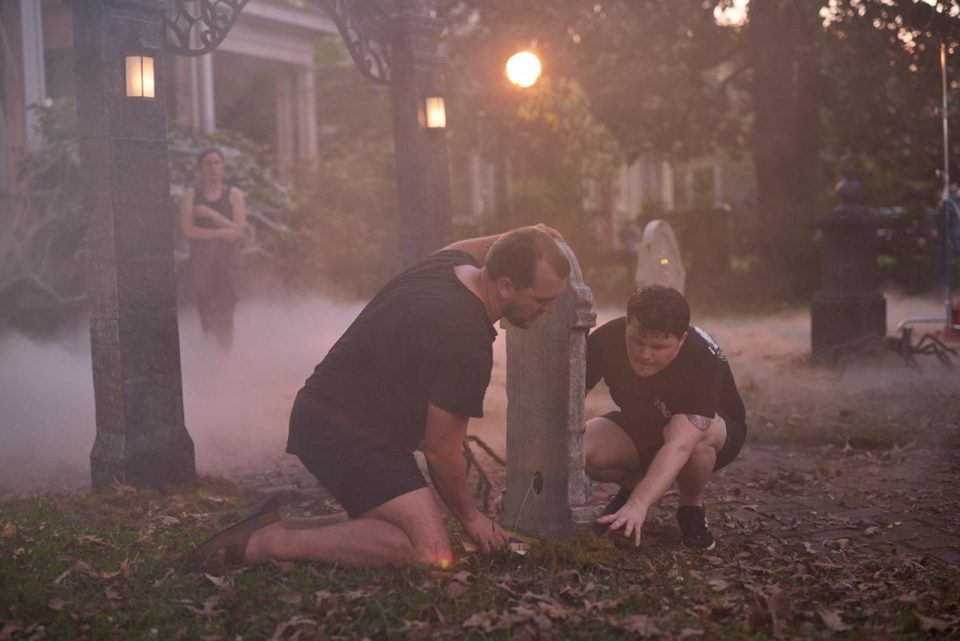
659 261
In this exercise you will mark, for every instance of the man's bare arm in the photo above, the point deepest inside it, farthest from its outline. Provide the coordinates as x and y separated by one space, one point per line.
680 438
448 470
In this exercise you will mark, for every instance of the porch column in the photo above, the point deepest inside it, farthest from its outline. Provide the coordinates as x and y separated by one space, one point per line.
34 73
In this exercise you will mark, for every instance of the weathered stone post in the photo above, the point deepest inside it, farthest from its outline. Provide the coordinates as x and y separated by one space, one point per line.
141 437
425 223
849 304
548 493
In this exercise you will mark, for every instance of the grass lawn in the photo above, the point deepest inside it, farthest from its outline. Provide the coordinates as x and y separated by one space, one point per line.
115 566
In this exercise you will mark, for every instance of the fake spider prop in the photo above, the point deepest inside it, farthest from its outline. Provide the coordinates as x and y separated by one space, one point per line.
875 345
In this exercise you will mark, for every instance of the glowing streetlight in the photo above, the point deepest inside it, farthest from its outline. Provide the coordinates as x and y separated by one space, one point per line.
523 69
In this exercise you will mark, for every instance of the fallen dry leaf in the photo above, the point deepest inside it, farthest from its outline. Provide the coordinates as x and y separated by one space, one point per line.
209 607
719 585
218 581
9 627
90 538
122 488
56 603
169 573
291 597
931 624
454 590
285 567
636 623
63 575
282 628
463 577
781 611
833 620
484 621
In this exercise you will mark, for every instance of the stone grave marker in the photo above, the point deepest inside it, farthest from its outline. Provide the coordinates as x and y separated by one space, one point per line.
547 489
659 261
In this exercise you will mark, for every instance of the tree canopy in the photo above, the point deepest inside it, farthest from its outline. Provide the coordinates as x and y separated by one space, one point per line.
797 85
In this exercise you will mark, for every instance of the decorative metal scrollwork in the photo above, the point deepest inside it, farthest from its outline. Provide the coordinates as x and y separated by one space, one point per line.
367 30
197 27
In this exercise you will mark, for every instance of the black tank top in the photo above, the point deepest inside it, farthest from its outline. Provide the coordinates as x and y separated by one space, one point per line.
221 205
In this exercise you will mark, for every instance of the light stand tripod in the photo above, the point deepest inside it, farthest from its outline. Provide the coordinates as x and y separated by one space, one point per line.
949 227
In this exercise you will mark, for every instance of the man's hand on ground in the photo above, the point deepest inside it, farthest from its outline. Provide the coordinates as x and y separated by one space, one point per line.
485 533
630 517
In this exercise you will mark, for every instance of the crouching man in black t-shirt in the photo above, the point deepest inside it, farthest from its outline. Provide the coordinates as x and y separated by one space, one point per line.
680 419
409 372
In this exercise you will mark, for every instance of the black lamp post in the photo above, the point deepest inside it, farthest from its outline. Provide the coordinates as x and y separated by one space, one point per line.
421 158
141 437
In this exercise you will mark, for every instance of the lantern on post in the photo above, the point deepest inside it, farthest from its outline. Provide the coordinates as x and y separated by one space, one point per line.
139 76
139 67
434 113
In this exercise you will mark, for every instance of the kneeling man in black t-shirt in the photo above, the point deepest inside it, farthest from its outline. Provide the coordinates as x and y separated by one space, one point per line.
681 417
408 373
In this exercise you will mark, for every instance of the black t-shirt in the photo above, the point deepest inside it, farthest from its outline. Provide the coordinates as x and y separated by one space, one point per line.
698 381
424 338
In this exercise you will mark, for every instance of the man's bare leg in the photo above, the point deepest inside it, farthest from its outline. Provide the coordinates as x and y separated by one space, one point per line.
693 478
408 528
324 520
610 455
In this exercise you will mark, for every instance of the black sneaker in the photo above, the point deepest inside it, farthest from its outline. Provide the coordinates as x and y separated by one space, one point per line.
616 502
693 526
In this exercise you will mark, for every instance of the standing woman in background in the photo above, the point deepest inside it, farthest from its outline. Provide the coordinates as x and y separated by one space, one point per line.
213 216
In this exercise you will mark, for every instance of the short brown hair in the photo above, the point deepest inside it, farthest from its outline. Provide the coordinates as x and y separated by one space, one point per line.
659 309
516 254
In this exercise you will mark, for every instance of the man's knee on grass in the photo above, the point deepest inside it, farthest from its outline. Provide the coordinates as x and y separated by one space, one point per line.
436 553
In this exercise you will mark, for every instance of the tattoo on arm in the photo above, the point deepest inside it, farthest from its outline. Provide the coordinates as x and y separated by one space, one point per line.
702 423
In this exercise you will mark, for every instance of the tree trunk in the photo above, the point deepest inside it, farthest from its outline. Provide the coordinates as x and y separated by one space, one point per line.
781 48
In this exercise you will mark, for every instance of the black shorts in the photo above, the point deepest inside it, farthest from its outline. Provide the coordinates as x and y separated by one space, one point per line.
358 472
736 436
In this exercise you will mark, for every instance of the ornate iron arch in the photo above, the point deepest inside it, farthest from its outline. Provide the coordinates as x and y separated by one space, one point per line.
197 27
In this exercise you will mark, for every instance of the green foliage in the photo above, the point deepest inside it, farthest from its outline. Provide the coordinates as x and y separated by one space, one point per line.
881 94
41 253
798 85
646 67
344 216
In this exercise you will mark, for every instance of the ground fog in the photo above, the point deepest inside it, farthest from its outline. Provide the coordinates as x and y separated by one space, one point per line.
237 403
